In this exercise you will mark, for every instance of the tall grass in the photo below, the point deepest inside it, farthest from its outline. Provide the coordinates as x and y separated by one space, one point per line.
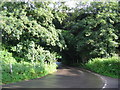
13 71
105 66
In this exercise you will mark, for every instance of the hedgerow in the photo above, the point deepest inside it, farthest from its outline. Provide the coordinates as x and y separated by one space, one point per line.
13 71
105 66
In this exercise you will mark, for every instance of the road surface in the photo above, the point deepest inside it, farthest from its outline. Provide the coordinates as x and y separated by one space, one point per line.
68 77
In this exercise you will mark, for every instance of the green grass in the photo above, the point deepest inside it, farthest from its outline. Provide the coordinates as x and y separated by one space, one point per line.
25 71
22 70
105 66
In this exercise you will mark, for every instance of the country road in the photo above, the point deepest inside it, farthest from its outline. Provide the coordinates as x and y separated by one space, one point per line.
68 77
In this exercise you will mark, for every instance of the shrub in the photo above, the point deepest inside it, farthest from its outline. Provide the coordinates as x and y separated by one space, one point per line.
12 71
105 66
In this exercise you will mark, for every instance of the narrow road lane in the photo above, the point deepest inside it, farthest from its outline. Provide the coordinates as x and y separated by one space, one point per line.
64 78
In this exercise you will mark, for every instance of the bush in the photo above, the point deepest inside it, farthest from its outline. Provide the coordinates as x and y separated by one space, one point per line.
105 66
12 71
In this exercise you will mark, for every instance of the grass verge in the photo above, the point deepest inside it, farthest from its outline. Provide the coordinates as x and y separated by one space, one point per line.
13 71
105 66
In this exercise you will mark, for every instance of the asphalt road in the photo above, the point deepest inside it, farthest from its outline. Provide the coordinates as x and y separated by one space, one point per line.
68 77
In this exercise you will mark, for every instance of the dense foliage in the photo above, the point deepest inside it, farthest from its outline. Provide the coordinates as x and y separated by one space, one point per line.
23 29
13 71
94 31
30 38
105 66
33 36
